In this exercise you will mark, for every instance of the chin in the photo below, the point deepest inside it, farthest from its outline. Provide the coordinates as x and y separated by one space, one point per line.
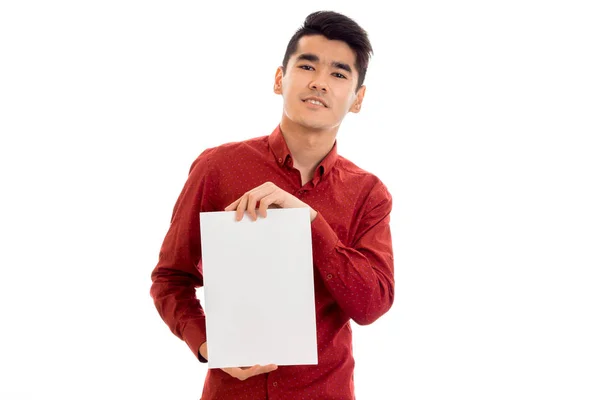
317 125
310 120
314 123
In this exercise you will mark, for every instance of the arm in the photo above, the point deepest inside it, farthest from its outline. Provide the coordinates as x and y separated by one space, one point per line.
178 272
360 277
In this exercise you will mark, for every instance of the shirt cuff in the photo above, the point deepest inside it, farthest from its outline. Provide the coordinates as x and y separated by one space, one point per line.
194 335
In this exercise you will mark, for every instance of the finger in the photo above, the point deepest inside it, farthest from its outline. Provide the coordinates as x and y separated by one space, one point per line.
268 368
265 202
259 369
235 372
233 205
244 203
241 207
256 195
250 372
262 208
252 199
245 373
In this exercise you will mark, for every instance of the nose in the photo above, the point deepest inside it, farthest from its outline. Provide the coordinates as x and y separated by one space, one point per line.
319 86
319 83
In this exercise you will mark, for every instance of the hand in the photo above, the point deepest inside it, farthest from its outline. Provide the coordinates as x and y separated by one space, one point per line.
266 195
203 350
242 373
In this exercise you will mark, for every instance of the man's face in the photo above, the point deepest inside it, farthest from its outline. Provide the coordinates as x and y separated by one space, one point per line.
320 70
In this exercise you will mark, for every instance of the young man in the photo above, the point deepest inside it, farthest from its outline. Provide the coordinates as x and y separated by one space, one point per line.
297 165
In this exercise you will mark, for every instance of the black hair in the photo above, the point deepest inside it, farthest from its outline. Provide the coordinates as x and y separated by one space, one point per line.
335 26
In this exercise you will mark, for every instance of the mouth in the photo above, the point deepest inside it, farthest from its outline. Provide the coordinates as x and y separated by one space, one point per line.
315 102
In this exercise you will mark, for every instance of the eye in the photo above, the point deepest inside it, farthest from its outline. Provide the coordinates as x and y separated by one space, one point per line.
306 67
338 75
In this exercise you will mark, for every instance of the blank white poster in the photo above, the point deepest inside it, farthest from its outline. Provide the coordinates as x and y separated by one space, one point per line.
259 289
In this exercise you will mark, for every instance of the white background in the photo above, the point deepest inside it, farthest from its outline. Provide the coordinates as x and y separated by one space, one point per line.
482 118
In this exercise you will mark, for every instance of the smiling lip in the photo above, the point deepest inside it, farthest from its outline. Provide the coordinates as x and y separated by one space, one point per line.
316 99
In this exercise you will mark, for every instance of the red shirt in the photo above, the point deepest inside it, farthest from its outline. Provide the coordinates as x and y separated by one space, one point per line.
352 256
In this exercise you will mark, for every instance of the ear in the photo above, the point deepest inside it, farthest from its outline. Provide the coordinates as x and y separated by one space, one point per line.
278 78
355 108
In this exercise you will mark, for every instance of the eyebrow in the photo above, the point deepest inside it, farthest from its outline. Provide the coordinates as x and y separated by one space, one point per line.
314 58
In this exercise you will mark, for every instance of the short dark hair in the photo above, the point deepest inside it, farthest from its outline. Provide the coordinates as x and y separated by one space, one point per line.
335 26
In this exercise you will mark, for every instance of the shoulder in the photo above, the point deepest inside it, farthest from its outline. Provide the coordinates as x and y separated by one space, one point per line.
224 154
363 179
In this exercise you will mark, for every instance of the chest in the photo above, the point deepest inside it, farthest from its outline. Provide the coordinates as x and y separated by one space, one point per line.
338 200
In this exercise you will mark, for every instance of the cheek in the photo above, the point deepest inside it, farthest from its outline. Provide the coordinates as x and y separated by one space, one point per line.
343 103
287 89
350 99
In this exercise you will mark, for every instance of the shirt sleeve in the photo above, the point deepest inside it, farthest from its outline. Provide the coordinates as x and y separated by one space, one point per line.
360 277
179 269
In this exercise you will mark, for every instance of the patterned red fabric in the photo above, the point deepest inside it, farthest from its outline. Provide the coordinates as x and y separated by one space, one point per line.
352 255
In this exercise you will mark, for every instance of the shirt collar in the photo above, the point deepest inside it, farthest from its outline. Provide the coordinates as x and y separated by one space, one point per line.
282 153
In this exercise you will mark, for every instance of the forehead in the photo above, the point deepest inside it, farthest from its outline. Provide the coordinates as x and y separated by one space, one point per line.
327 50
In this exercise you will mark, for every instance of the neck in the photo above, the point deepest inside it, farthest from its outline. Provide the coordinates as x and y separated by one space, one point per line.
308 146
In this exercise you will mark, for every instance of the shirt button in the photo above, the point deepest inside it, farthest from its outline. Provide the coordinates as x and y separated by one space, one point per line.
280 160
329 276
275 384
